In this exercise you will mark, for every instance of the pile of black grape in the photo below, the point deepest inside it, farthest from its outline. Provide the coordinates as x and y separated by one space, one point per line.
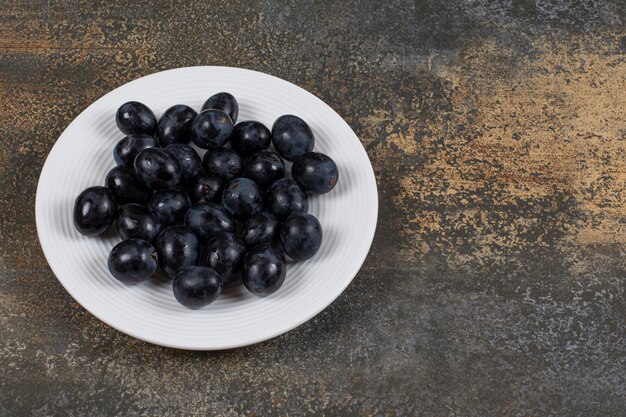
209 222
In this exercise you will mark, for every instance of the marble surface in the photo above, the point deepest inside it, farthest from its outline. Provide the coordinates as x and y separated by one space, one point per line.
495 284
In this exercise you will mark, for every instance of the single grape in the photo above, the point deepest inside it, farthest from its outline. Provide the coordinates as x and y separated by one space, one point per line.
315 172
285 197
264 270
175 125
211 129
158 169
264 168
224 252
205 189
169 206
132 261
125 186
127 149
136 222
177 247
225 102
223 163
134 117
208 219
301 236
197 286
189 160
250 137
95 209
292 137
261 227
242 197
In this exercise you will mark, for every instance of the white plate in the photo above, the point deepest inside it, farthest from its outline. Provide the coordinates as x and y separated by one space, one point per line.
83 155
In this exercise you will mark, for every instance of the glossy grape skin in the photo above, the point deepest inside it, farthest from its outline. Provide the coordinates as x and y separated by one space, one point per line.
95 209
286 197
292 137
177 247
225 102
208 219
205 189
264 168
132 261
211 129
127 149
264 270
125 186
157 169
136 222
169 206
175 125
223 163
261 227
224 252
250 137
242 197
197 286
189 160
135 117
301 236
315 172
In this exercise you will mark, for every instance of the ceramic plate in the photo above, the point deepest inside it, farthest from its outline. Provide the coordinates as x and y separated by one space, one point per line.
82 156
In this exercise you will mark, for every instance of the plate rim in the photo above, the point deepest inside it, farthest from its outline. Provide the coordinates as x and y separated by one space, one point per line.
39 220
